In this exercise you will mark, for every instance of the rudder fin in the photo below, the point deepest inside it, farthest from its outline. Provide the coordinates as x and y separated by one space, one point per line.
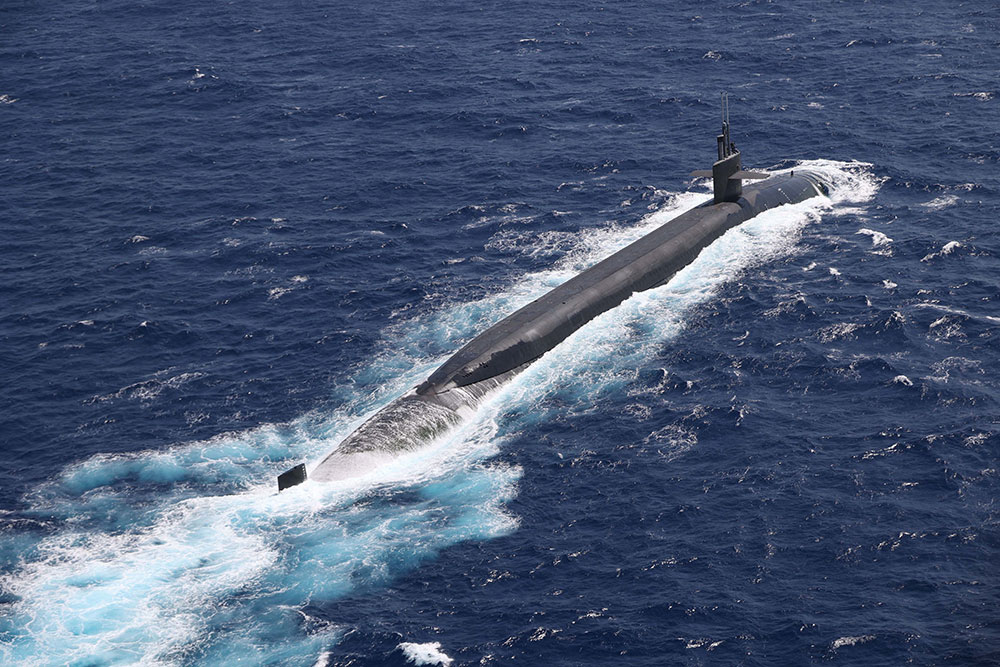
292 477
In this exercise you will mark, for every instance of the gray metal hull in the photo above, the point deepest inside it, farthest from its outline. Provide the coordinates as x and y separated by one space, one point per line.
495 356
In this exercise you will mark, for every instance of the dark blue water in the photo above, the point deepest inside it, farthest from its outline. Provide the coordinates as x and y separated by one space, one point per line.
232 231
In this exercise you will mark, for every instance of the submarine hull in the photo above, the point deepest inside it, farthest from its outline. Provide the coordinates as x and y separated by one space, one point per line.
492 358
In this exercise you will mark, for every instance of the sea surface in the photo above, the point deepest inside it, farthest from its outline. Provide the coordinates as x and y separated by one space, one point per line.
232 231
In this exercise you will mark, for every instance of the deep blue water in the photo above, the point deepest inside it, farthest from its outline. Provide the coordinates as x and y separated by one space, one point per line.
232 231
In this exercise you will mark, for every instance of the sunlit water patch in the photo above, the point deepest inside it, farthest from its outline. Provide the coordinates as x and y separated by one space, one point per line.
188 555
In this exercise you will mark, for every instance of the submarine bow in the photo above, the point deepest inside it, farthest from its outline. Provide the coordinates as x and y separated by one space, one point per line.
492 358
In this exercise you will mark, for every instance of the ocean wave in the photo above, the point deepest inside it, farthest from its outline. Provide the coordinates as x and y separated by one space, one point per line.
947 249
429 653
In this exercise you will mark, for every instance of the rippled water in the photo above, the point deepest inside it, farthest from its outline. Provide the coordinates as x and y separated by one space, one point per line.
236 231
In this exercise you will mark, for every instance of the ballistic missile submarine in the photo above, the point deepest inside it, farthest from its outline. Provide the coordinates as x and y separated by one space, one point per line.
452 392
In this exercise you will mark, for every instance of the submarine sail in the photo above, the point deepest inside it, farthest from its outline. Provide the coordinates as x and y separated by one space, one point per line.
492 358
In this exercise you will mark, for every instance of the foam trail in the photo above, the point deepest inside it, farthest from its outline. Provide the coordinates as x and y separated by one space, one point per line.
134 564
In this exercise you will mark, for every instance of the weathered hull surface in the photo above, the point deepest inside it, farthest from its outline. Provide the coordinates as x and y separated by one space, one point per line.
495 356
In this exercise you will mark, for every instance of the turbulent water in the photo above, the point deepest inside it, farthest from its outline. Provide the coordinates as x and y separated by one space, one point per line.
232 232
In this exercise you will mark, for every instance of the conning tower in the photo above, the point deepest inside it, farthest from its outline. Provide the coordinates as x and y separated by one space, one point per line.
727 174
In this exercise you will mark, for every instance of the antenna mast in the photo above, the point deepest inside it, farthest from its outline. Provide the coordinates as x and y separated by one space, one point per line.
726 146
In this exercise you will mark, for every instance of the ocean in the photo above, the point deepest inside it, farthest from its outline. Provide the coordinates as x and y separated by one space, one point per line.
233 231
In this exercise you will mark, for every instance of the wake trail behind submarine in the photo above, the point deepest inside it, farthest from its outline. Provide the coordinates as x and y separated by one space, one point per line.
491 359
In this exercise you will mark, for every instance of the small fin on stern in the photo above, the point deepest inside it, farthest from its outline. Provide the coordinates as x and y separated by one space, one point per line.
292 477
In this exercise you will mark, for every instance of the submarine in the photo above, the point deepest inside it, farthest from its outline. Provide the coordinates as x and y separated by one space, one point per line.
454 391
